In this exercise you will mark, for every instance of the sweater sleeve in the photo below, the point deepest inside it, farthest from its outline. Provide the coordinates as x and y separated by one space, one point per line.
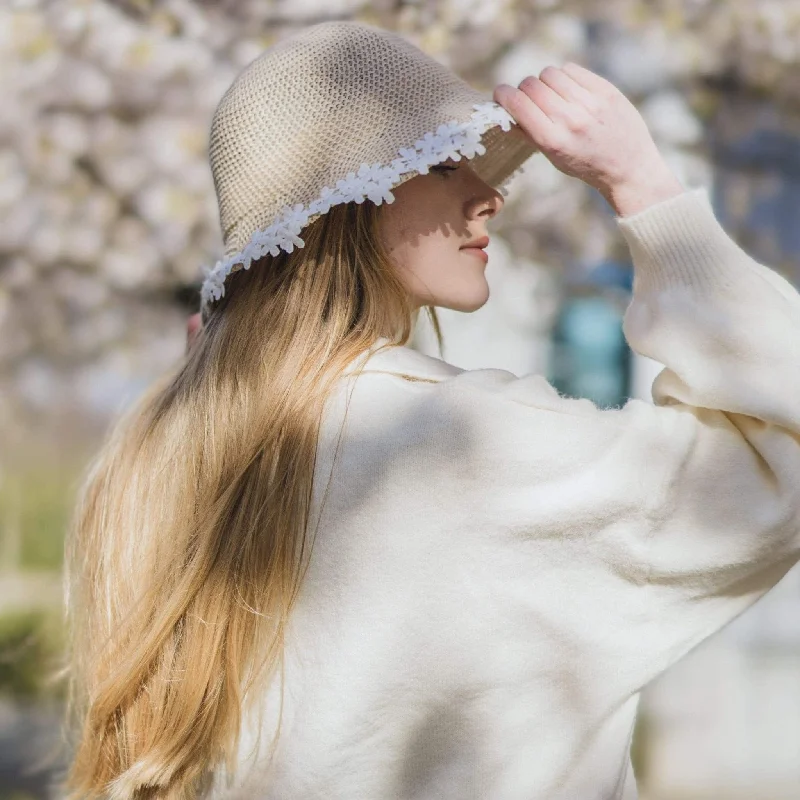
724 519
655 523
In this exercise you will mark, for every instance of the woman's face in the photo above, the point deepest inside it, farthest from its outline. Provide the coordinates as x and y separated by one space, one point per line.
435 231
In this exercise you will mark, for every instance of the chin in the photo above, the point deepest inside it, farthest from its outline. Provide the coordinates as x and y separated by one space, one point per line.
468 301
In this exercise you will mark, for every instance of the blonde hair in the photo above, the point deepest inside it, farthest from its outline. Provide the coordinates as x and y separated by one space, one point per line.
188 544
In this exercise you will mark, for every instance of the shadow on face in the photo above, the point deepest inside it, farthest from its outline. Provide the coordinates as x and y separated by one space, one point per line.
428 230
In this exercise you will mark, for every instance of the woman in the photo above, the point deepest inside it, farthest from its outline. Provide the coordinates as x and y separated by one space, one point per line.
497 570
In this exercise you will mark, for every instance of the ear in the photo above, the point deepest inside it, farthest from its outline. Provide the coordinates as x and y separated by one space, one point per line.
193 326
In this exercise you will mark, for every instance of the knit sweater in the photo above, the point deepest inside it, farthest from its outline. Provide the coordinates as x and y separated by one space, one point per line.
499 570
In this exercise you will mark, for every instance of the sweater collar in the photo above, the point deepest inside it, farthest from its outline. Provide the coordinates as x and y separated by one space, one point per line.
402 360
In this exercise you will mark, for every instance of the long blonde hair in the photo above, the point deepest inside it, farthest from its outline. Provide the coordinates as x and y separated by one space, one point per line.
187 546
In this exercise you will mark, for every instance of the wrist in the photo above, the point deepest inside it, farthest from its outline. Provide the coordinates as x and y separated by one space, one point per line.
631 197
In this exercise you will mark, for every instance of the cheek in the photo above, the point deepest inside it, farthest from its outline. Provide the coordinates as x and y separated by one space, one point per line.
427 204
416 242
408 222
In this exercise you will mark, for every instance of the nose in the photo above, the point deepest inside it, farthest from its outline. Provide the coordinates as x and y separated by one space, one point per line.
486 202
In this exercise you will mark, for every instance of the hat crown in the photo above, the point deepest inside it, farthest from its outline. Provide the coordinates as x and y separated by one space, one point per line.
317 106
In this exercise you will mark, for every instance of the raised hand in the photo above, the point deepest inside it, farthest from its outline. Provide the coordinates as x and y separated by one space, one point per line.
588 129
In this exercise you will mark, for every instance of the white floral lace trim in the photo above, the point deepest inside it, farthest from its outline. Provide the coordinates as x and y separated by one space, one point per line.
374 182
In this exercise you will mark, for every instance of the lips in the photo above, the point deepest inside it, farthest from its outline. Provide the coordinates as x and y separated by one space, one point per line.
477 243
476 247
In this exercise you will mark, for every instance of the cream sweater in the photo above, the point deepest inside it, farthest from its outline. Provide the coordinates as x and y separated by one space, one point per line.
499 570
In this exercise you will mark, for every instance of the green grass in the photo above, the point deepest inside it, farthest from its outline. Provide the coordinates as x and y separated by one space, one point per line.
31 643
35 508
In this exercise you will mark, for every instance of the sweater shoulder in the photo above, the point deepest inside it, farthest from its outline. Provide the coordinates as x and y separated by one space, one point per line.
409 382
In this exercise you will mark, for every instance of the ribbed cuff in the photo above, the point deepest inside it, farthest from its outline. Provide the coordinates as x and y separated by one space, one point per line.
679 242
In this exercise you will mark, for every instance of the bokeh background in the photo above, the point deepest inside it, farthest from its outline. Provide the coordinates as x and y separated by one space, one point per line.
107 212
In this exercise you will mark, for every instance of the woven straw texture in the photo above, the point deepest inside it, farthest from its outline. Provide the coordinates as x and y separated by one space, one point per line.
318 106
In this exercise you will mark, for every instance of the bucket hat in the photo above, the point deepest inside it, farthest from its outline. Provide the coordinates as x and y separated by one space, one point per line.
341 112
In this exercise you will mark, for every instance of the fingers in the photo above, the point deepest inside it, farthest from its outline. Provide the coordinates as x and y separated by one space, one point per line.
552 103
564 85
559 104
589 80
532 119
561 95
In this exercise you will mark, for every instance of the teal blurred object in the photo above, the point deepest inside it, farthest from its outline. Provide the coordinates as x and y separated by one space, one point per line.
590 355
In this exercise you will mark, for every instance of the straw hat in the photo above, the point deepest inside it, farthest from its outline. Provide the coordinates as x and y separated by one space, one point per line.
342 112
